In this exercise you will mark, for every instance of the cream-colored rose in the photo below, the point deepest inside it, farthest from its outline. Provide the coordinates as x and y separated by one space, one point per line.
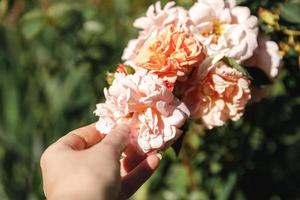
224 28
221 95
266 57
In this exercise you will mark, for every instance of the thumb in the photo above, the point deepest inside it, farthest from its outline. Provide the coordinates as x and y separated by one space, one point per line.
116 141
81 138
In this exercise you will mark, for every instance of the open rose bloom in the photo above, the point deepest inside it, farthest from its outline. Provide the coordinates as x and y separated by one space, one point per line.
177 69
220 95
172 54
225 28
142 101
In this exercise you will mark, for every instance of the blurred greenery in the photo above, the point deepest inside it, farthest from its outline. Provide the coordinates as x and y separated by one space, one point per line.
53 60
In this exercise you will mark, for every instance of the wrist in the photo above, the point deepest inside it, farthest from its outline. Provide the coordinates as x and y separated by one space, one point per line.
76 195
77 190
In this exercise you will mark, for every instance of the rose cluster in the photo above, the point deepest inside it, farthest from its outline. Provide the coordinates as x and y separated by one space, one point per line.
176 69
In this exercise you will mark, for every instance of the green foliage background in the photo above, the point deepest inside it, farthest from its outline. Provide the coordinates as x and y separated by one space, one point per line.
53 60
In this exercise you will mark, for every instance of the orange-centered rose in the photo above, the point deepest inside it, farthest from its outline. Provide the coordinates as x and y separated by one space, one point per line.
172 53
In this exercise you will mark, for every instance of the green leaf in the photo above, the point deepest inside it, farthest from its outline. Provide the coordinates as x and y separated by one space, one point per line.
3 8
64 15
129 69
290 12
110 77
229 186
10 104
32 23
232 63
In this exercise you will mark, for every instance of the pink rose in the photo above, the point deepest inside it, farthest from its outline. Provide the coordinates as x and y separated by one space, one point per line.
155 20
266 57
221 95
225 28
171 54
144 102
132 49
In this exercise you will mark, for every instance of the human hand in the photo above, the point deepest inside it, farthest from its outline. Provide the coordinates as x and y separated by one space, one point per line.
86 165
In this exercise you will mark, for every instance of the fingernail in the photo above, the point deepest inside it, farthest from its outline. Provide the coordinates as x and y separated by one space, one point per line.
159 156
153 161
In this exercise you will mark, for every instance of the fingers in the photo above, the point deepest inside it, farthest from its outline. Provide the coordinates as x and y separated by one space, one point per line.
132 159
116 141
90 134
136 178
81 138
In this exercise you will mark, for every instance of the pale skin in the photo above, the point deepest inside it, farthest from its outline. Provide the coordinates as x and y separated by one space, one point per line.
86 165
